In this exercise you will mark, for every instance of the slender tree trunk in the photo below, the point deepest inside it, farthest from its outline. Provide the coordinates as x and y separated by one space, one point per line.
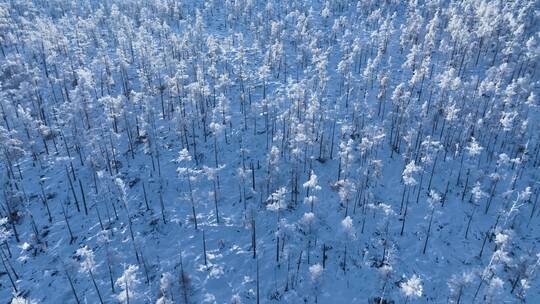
428 231
72 288
95 285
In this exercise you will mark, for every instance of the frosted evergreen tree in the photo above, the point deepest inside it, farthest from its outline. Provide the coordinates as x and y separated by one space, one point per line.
412 288
128 283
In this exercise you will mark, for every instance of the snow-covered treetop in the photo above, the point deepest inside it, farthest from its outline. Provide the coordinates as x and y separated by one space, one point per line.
277 200
315 271
87 259
412 287
408 172
474 148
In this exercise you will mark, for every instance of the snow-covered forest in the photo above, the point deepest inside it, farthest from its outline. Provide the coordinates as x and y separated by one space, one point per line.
282 151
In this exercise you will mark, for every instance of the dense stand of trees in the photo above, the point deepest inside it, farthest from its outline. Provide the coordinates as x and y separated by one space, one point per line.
145 145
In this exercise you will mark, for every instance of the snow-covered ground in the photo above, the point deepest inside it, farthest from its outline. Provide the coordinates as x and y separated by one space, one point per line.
331 151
